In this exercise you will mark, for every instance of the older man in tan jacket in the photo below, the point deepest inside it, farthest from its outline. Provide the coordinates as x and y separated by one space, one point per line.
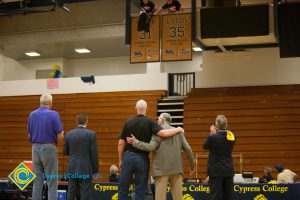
167 159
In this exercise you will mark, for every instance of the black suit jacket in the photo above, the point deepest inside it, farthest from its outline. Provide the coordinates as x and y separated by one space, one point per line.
219 159
81 146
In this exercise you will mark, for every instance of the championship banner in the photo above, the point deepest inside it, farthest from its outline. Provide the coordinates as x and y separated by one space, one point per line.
177 37
145 47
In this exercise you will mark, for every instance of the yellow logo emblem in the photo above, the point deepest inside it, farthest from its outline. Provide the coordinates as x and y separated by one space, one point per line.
22 176
187 197
114 197
260 197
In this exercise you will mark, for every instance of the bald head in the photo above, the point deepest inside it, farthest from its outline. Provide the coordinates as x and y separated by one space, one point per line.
141 107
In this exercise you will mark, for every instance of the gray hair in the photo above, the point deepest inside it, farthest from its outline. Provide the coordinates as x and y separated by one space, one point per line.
166 117
221 122
46 99
141 105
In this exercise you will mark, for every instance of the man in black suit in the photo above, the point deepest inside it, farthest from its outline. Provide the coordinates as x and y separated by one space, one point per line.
220 167
81 146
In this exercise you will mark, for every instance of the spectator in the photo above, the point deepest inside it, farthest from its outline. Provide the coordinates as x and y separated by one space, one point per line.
220 144
171 6
147 8
135 162
44 129
285 175
113 174
81 147
267 175
206 180
167 164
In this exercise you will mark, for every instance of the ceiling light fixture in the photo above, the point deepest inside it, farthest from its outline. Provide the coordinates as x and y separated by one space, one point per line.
82 50
32 54
197 49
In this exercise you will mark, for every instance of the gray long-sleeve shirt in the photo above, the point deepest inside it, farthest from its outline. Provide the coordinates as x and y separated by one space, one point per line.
167 153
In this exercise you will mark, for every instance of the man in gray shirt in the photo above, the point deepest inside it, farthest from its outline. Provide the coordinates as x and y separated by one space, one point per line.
167 159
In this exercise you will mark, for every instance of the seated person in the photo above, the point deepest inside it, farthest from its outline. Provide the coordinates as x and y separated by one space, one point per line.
147 8
113 174
267 175
171 6
206 180
285 175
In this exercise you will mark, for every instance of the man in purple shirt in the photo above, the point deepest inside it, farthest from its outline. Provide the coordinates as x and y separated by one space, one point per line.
44 128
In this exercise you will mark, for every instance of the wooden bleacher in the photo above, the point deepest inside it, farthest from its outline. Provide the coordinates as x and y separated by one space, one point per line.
265 119
107 114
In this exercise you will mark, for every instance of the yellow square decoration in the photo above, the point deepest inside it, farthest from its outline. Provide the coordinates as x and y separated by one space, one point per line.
22 176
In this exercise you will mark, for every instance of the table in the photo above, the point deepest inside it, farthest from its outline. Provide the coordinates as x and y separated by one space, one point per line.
103 191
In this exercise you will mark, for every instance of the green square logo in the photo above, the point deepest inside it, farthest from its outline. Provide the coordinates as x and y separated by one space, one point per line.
22 176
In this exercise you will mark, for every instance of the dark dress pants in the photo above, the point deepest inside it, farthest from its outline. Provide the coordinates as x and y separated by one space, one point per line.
221 188
84 185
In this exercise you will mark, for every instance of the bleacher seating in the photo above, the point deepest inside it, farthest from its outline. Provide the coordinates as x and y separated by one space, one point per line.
265 119
107 113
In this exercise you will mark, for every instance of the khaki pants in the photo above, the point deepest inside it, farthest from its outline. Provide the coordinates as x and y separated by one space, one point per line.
161 182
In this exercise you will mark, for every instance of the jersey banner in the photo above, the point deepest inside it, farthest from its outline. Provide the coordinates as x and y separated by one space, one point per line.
145 47
177 37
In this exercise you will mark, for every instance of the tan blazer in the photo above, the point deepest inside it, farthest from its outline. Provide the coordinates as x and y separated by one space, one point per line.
167 153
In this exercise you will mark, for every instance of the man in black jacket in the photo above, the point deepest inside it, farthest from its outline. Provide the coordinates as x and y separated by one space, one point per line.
220 167
81 146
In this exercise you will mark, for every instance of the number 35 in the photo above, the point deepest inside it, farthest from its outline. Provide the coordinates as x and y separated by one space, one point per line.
179 31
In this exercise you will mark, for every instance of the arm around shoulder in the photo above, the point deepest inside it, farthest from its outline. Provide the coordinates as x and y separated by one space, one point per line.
170 132
151 146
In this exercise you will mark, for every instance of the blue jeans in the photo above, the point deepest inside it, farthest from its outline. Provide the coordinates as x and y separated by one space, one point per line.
137 165
44 159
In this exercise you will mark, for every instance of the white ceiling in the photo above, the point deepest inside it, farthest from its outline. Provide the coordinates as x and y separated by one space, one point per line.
105 47
105 44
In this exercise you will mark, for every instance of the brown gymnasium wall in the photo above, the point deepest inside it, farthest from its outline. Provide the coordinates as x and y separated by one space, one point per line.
107 114
265 119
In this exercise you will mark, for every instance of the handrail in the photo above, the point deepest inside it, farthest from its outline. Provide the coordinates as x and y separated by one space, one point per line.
180 84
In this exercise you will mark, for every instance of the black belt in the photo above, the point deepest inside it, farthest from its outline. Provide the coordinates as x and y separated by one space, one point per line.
44 143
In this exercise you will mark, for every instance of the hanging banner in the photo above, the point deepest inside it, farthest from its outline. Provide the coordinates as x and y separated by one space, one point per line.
177 37
145 46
